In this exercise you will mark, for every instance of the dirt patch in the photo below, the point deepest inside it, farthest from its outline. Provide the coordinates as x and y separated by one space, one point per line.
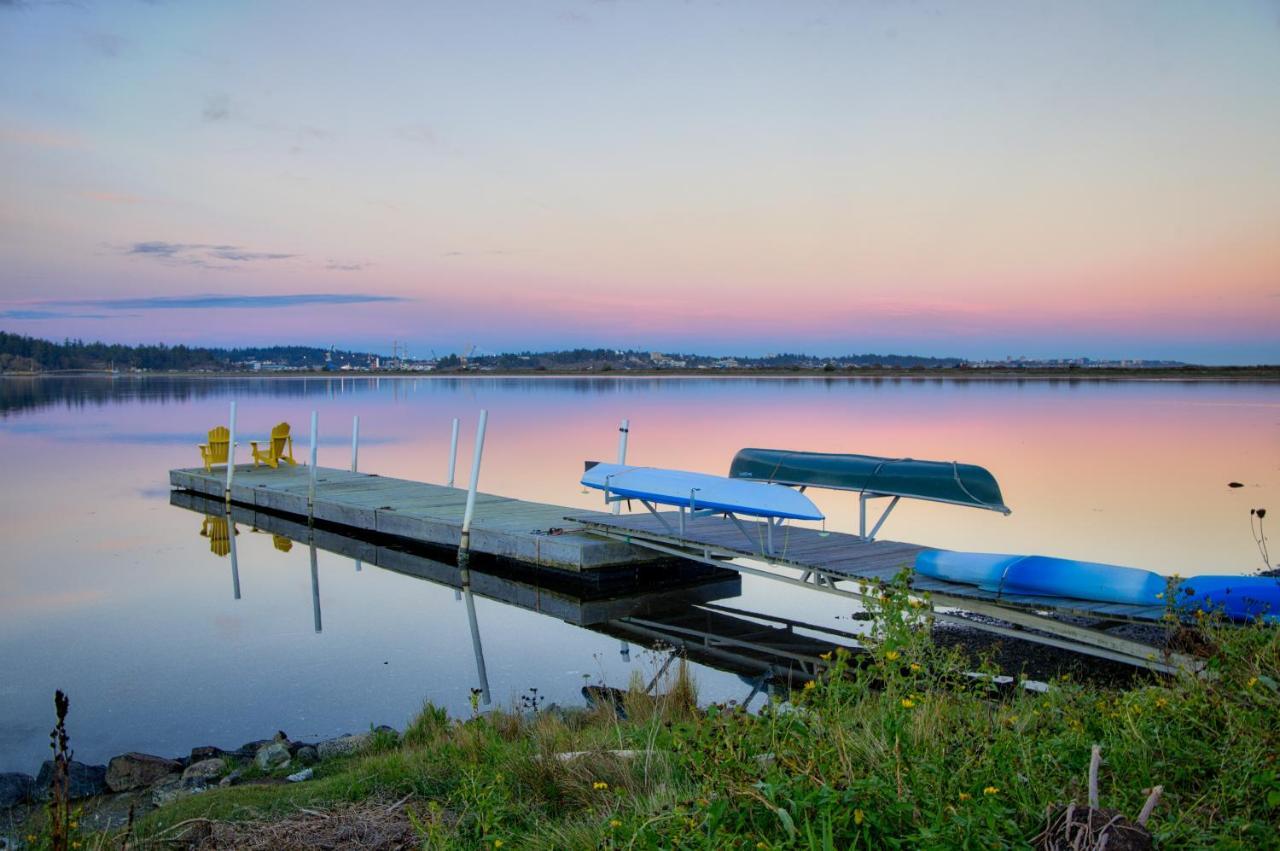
367 825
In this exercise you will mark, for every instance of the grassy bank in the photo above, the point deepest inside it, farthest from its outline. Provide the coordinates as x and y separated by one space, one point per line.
903 750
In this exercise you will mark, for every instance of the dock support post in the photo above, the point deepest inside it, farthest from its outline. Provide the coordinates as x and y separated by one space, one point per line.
231 453
315 583
235 564
453 451
311 470
623 430
464 545
355 442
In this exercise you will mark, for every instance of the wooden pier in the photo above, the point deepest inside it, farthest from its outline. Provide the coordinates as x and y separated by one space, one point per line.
531 532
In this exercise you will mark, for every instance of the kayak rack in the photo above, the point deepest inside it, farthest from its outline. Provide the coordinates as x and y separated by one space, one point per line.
851 566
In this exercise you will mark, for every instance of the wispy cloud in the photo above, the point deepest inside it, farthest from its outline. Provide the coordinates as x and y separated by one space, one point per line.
74 308
337 266
201 254
217 107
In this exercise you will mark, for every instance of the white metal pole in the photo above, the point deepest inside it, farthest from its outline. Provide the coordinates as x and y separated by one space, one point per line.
355 442
453 451
623 431
465 545
311 479
231 453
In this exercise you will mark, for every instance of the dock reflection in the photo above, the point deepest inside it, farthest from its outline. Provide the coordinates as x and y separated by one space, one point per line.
678 607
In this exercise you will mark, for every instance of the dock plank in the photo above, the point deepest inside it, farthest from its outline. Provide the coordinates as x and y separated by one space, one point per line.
502 526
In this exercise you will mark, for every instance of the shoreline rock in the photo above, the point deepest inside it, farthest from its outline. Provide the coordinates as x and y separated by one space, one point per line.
134 770
83 781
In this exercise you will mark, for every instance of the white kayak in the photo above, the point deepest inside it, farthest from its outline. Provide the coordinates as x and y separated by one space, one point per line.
699 491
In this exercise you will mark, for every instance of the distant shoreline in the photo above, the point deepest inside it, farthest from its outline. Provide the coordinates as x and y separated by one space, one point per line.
1208 373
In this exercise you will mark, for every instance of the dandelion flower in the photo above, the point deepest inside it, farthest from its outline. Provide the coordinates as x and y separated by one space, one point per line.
615 824
991 790
600 786
916 667
1253 681
964 796
892 655
907 703
810 685
498 843
825 656
858 816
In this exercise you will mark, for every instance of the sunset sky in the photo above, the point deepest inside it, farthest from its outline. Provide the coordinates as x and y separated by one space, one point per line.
954 178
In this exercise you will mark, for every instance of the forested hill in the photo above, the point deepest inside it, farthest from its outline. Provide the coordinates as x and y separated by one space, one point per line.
19 353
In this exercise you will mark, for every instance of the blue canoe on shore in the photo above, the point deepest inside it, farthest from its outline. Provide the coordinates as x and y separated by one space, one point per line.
1236 597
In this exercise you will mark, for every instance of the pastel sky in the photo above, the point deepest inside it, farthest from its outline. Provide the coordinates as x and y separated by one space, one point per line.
977 179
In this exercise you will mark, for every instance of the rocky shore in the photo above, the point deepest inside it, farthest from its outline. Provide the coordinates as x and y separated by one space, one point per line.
132 784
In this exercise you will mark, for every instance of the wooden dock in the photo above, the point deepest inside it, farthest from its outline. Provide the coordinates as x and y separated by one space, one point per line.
531 532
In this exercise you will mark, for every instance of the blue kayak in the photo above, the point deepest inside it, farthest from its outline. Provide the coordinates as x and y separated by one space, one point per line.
1240 598
1043 576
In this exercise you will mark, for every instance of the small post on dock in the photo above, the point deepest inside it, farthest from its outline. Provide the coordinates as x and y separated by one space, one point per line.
355 442
311 472
464 545
453 451
623 430
231 454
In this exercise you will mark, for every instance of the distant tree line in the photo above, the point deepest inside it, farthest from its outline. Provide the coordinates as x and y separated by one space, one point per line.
22 353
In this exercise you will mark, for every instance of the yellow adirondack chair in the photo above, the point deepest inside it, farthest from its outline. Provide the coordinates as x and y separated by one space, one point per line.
279 448
215 451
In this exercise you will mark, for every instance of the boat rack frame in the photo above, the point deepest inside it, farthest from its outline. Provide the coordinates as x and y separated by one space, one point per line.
1035 620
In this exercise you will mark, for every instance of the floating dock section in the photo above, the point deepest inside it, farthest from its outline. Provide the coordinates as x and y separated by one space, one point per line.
531 532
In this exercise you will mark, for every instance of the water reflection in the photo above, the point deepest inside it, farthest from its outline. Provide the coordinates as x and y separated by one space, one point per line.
672 607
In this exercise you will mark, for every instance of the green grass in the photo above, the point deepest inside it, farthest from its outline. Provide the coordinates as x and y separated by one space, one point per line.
900 752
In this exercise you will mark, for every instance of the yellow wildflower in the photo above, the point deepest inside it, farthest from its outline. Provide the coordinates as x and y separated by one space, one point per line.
825 656
600 786
916 667
1253 681
858 816
907 703
761 846
615 824
810 685
498 843
1161 703
964 796
991 790
892 655
73 825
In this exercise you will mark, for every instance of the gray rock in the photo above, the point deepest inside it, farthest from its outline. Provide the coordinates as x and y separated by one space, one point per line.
16 788
249 750
137 771
204 772
304 774
204 752
169 790
84 781
307 755
272 756
343 745
231 779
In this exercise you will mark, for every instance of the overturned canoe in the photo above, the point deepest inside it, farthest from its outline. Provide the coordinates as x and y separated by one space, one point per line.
1239 598
1044 576
700 491
936 481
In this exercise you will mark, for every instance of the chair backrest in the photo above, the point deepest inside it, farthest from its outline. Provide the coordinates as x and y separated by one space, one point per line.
219 442
279 436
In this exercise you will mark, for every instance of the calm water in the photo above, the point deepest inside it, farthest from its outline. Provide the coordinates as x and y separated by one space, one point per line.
112 594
